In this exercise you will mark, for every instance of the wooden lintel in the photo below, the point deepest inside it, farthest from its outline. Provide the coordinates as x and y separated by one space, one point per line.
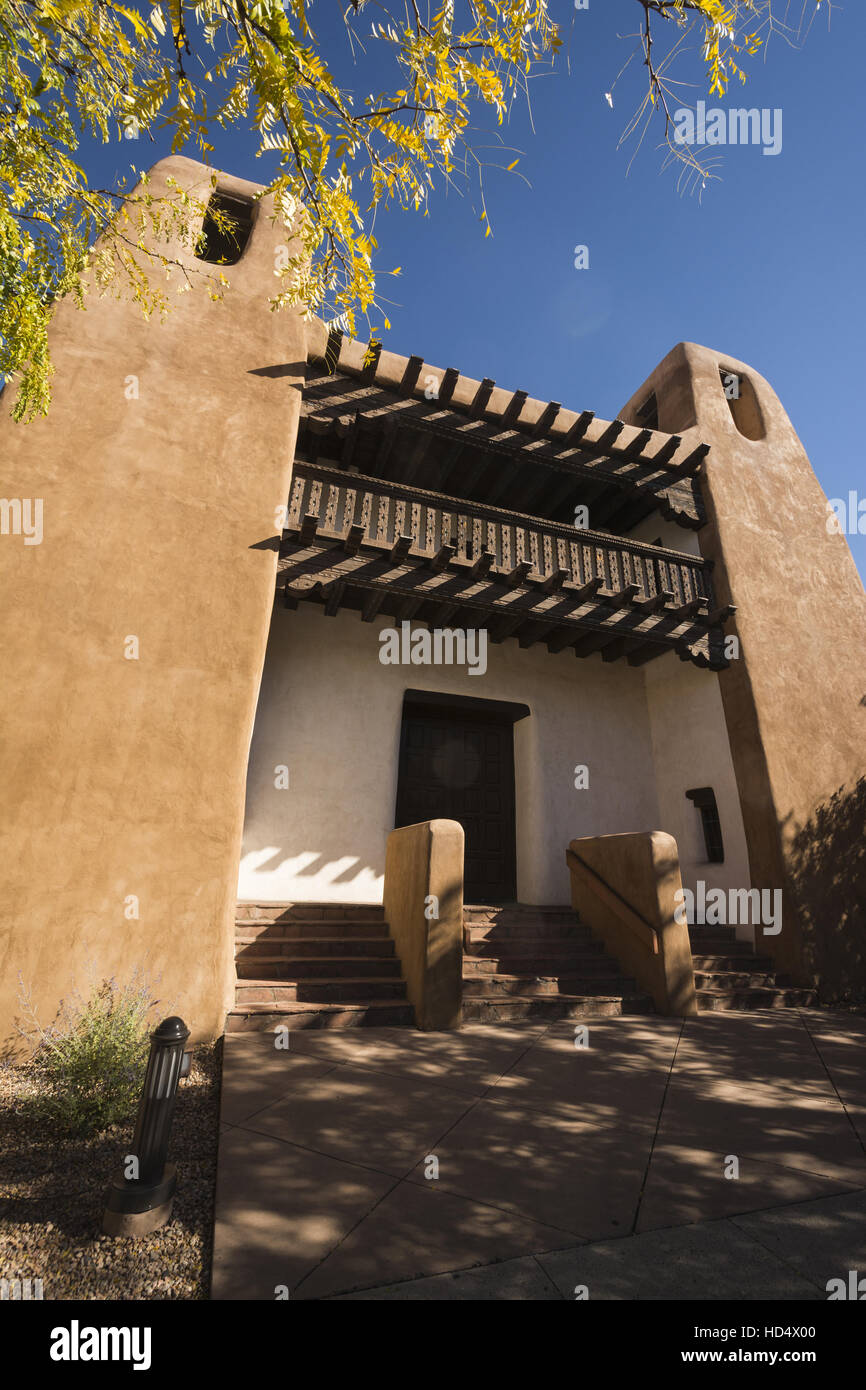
691 609
622 646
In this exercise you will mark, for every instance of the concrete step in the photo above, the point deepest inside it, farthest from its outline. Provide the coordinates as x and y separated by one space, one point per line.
726 961
364 1013
735 979
545 986
290 931
721 946
575 963
552 948
308 912
298 946
745 1000
287 967
317 991
479 914
538 931
704 929
514 1008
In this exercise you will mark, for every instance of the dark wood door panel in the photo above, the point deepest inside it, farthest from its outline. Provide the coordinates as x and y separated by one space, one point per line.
458 768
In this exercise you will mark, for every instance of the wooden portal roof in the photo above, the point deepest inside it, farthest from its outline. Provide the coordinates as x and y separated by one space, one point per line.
404 421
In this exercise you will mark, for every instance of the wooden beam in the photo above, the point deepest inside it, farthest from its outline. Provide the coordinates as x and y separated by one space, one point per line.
447 384
535 632
410 376
400 549
371 605
332 351
352 542
588 590
613 431
333 594
721 614
517 575
441 559
387 440
508 471
646 653
692 462
622 646
505 627
512 411
481 397
692 608
553 581
624 596
658 600
309 527
368 371
579 428
667 451
638 444
565 637
546 419
593 642
408 607
481 566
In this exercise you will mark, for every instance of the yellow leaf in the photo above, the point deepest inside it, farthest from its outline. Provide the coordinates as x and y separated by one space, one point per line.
513 166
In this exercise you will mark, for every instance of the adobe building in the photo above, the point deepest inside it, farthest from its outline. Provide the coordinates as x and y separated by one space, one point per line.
411 666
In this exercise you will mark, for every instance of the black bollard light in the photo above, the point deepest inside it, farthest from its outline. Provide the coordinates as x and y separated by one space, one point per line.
136 1206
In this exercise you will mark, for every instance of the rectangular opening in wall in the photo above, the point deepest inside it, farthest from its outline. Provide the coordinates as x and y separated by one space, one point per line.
704 799
225 244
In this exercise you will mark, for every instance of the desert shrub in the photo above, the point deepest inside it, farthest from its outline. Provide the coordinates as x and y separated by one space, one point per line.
92 1058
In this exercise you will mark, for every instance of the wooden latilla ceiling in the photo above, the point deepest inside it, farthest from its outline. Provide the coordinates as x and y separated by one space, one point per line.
484 444
367 529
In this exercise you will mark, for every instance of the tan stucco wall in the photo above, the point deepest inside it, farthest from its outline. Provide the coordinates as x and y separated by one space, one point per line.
793 700
126 777
330 712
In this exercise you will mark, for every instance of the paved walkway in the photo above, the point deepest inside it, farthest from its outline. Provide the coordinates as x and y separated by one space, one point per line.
609 1166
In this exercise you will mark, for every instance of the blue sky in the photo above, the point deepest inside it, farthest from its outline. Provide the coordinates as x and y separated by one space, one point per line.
767 267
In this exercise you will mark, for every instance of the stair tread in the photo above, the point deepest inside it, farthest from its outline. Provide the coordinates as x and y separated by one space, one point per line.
295 1006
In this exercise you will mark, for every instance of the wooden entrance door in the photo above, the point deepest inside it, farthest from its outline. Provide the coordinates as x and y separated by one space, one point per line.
455 766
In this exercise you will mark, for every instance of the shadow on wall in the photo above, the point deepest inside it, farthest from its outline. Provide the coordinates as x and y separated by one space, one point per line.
828 872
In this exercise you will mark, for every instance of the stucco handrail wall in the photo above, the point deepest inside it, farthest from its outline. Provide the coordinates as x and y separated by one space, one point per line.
624 887
423 899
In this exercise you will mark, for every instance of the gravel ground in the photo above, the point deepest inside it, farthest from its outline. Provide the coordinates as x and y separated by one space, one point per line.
52 1196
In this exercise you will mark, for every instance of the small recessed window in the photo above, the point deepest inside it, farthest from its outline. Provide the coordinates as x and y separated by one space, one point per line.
704 799
647 415
224 245
742 403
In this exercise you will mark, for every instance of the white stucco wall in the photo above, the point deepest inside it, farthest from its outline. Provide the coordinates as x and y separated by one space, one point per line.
691 749
331 712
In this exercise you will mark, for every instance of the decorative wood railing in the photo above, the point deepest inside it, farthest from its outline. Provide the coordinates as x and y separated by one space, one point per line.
362 511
